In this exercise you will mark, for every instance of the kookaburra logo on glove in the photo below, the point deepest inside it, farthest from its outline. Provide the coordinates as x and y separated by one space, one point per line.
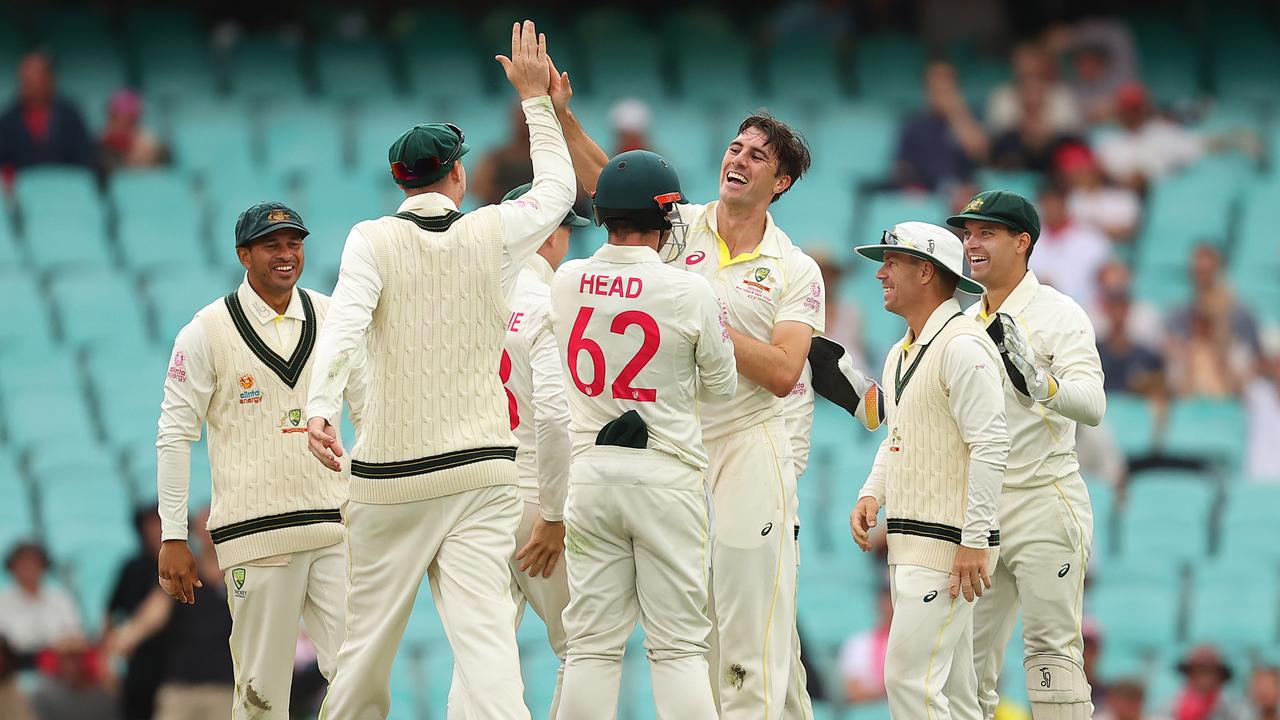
836 379
1020 360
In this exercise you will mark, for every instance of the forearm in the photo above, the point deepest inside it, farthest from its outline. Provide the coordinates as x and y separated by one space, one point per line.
765 364
588 157
173 487
1080 399
340 346
875 483
985 479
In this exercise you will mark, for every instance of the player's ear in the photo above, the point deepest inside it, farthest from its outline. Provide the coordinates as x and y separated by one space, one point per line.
781 183
243 254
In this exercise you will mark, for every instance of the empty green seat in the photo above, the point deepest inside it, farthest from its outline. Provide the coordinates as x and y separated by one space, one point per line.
305 137
128 417
83 299
36 414
889 69
213 140
158 221
712 61
613 74
21 296
882 211
266 68
1249 532
805 69
854 139
1147 529
354 69
172 51
1234 604
1130 422
1206 427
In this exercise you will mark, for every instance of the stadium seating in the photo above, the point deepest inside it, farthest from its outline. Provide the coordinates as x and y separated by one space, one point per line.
83 300
1147 529
158 221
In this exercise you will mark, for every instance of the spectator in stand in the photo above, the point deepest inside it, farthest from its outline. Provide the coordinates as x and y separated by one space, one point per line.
630 118
862 658
1102 57
942 143
1145 323
125 143
1205 695
41 127
73 684
1264 693
135 582
1128 364
504 167
1125 701
1034 79
1146 147
1031 143
1262 408
1213 294
34 614
844 318
198 679
1114 210
13 701
1068 254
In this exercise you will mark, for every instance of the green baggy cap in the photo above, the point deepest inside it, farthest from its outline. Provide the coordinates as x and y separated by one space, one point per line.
425 153
1001 206
264 218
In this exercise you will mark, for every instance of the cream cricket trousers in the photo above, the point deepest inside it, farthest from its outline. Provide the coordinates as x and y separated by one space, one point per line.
928 665
548 597
753 578
266 598
186 701
462 543
1046 535
798 705
637 547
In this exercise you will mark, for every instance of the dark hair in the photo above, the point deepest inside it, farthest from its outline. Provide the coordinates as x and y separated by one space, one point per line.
788 146
26 546
623 226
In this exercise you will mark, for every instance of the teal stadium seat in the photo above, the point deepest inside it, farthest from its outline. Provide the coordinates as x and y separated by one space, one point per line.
980 71
1137 603
612 74
818 213
805 69
682 133
213 141
855 140
128 417
1025 183
42 399
1130 420
1249 531
354 69
81 301
1206 427
264 67
454 53
712 57
158 221
377 127
1240 64
10 253
1234 604
889 68
883 211
172 51
305 137
17 513
1168 69
62 218
1155 498
21 297
176 294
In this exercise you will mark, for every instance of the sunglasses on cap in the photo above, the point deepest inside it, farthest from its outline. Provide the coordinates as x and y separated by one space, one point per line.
427 166
888 238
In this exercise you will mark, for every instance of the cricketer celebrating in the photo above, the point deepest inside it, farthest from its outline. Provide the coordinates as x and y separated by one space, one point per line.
242 366
433 488
1054 381
937 473
534 380
640 340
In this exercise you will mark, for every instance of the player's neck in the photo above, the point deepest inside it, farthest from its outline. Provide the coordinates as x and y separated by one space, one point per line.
276 301
919 316
998 292
741 227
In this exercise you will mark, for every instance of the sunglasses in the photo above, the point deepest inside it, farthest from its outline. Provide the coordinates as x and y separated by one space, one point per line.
888 238
427 166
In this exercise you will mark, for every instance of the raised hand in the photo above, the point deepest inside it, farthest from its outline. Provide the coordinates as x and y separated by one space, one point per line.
528 69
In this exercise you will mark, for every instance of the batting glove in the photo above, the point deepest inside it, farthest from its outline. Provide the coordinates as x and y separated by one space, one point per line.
1020 360
836 379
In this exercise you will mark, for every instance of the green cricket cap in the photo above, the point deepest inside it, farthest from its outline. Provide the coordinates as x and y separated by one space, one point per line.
572 219
425 153
1001 206
264 218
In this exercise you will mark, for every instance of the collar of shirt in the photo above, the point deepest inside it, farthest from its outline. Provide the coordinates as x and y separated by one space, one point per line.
264 313
627 254
541 269
769 245
933 326
1018 300
427 204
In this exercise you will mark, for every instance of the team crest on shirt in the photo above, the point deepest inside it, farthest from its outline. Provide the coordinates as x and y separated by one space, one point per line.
291 421
757 283
251 394
177 367
237 579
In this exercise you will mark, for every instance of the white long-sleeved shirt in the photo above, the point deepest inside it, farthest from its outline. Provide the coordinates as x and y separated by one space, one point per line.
526 223
969 373
534 378
1043 436
189 388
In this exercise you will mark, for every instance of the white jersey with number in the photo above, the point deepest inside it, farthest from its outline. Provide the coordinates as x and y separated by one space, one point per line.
635 334
532 376
774 283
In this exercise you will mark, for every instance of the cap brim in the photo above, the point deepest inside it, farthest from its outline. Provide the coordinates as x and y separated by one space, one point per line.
965 285
277 226
957 221
573 219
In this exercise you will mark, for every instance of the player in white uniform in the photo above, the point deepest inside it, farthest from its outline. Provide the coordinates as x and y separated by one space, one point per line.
1054 380
774 298
242 366
640 341
534 380
937 474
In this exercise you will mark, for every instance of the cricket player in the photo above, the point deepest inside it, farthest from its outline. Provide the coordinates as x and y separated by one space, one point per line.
433 486
937 473
242 366
640 341
530 371
773 296
1054 380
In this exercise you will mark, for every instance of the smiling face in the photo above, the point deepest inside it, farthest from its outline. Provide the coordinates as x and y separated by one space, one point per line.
995 252
902 279
274 261
749 174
